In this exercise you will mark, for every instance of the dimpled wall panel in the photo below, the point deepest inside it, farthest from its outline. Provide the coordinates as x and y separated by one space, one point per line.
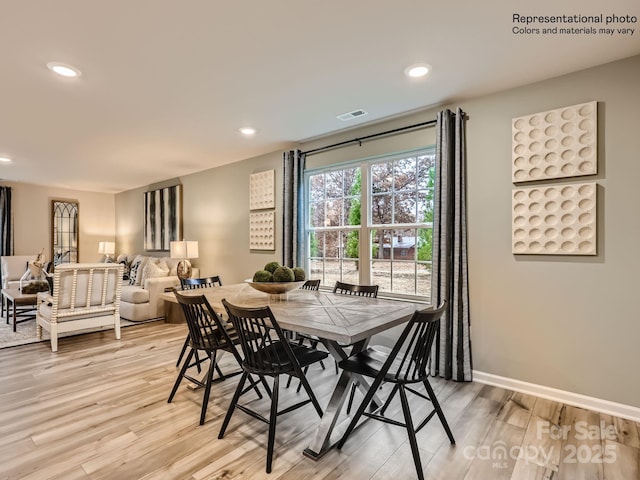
261 190
555 220
555 144
261 231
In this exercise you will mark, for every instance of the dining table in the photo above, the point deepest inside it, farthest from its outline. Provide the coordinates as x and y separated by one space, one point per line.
343 323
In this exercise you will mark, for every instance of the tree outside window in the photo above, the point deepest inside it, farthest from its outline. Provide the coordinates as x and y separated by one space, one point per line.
397 229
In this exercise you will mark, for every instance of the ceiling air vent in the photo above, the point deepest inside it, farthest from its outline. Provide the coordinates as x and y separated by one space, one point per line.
351 115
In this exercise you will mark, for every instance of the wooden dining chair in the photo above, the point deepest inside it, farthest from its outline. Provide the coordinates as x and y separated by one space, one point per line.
208 335
407 364
191 284
268 353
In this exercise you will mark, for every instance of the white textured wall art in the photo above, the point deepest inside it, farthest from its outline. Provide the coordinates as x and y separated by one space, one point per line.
555 220
555 144
262 231
262 190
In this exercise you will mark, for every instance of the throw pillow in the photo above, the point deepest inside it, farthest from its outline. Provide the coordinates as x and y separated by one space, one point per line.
154 269
125 270
135 274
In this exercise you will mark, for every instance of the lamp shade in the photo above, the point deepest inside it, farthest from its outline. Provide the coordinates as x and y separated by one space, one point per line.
184 249
107 248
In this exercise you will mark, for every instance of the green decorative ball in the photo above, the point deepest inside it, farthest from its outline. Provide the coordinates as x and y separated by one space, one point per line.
283 274
262 276
271 266
299 274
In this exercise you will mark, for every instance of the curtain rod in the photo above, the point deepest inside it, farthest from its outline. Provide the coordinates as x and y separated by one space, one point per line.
374 135
369 137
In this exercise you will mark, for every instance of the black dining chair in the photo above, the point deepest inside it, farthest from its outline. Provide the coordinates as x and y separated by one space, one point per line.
370 291
208 335
268 353
191 284
203 282
407 364
359 290
314 286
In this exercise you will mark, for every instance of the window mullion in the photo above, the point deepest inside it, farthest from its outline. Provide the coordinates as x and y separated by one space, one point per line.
365 223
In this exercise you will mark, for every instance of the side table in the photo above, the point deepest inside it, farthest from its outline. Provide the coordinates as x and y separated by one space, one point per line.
172 311
12 297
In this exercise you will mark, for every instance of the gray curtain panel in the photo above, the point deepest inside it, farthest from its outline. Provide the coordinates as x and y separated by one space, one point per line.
451 356
6 222
293 201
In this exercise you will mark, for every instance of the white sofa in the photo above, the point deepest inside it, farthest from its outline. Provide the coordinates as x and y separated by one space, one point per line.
85 295
149 277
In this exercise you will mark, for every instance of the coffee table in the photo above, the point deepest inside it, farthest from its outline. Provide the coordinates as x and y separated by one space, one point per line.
14 297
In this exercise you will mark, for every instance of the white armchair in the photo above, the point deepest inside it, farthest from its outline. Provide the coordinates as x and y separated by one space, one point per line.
85 295
12 267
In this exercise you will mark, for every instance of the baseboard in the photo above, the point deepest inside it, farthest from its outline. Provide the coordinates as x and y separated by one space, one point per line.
570 398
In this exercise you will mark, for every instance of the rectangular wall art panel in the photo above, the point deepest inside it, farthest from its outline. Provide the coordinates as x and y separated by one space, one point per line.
162 218
262 231
555 220
555 144
262 190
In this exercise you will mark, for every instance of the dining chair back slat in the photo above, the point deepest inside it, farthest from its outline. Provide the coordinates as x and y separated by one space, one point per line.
410 356
204 282
192 284
311 285
264 346
359 290
205 328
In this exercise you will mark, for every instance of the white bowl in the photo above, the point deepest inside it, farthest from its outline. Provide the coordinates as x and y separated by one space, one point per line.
275 288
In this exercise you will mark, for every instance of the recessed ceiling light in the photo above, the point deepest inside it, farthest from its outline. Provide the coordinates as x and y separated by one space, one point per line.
63 69
417 70
247 131
5 160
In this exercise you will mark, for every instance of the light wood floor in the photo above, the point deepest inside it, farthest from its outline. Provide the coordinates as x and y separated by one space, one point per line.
98 410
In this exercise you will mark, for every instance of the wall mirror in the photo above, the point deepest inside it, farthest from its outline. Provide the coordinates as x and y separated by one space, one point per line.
64 231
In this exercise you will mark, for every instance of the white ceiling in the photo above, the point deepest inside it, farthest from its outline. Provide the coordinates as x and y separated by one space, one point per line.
166 84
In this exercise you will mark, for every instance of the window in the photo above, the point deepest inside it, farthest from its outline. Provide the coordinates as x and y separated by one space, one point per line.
371 221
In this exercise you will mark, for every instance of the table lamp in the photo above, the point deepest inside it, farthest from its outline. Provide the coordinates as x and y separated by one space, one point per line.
184 250
108 249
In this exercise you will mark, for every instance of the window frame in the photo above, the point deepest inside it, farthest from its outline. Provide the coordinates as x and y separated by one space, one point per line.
366 226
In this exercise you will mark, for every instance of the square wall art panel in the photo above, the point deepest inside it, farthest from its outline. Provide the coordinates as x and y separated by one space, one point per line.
555 144
262 190
262 230
554 220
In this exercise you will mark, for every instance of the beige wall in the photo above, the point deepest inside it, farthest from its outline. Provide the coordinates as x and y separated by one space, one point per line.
565 322
32 224
215 213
